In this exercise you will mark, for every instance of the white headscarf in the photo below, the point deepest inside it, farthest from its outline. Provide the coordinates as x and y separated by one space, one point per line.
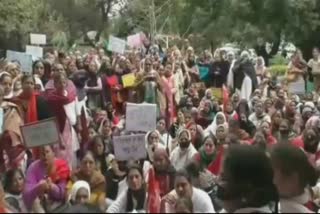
76 187
213 126
150 148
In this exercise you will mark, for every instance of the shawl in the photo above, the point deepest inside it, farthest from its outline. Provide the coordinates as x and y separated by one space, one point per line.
96 180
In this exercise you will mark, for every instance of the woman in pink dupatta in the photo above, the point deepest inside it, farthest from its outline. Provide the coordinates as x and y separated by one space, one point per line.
63 103
169 90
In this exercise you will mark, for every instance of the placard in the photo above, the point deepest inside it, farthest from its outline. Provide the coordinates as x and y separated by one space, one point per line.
38 39
141 117
35 51
217 93
116 45
135 40
128 80
40 133
24 59
130 147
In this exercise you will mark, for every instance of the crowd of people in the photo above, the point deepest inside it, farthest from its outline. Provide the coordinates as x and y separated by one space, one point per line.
251 147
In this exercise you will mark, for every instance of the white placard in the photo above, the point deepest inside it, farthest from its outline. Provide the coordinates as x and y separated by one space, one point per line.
141 117
135 40
116 45
41 133
35 51
130 147
38 39
24 59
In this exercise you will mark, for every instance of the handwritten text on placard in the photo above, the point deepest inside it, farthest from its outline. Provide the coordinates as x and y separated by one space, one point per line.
130 147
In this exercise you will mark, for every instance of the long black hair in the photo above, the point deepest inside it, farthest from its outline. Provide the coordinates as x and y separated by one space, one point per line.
8 179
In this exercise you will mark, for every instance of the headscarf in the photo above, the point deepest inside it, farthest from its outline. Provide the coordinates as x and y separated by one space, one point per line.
205 158
151 148
313 122
213 127
76 187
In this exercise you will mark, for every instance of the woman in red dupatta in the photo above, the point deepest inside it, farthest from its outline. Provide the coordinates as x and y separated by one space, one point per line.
32 106
63 105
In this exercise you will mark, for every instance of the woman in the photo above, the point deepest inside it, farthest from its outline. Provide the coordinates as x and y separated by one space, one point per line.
183 153
99 151
32 106
221 135
80 193
6 82
183 188
63 105
105 130
38 73
297 68
246 182
177 125
197 134
210 155
71 68
219 119
265 127
153 141
46 180
10 135
165 136
13 185
88 172
134 199
261 70
4 206
276 118
169 90
293 176
285 134
206 114
230 111
94 87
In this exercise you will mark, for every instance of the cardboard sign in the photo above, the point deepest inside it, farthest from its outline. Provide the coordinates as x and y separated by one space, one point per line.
24 59
1 119
116 45
217 93
35 51
128 80
38 39
141 117
130 147
41 133
135 40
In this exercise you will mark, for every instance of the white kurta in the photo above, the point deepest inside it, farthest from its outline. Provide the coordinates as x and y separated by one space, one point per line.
246 88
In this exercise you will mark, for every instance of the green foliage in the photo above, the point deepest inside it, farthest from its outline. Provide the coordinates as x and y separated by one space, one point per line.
278 70
278 60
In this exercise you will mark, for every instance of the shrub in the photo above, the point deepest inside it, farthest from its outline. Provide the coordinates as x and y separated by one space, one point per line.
278 70
278 60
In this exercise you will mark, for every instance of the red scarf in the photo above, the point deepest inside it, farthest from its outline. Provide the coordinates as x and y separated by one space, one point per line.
32 111
154 198
61 172
57 102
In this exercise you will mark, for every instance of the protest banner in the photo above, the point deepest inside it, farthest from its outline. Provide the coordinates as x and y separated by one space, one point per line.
40 133
141 117
38 39
135 40
116 45
128 80
24 59
130 147
35 51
